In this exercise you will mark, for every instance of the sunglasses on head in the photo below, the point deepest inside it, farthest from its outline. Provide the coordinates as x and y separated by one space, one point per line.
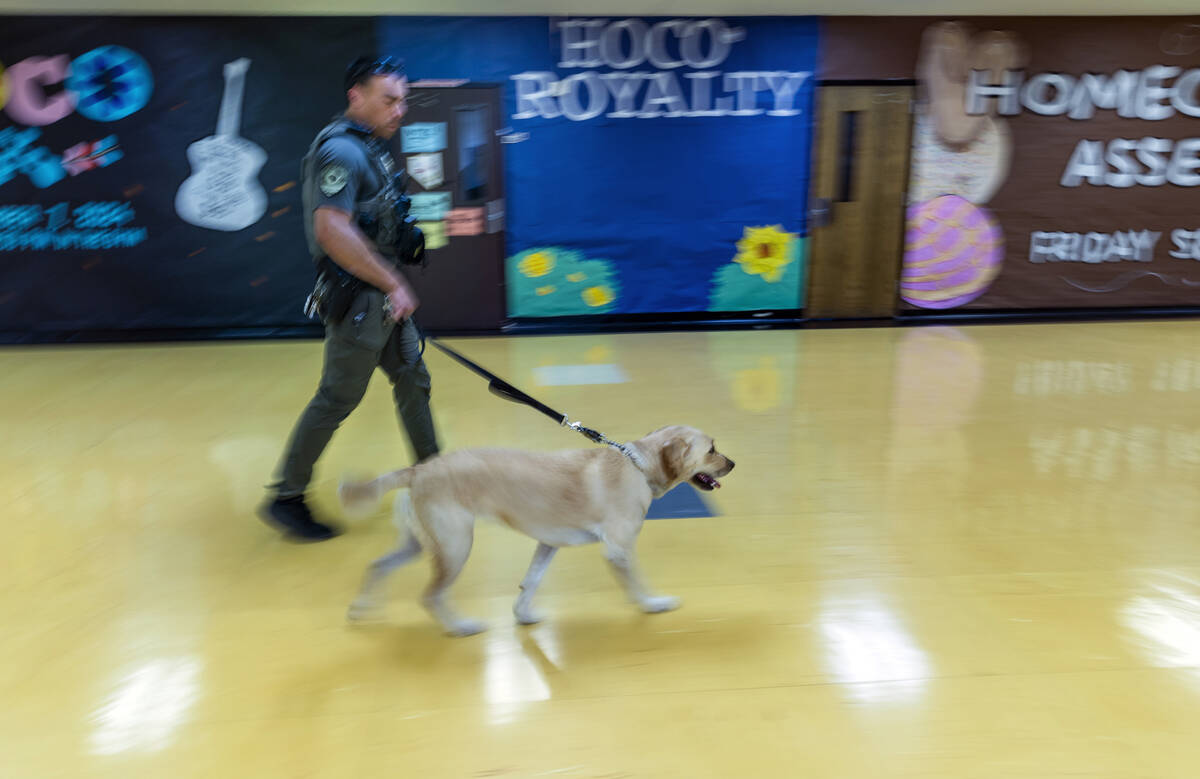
363 67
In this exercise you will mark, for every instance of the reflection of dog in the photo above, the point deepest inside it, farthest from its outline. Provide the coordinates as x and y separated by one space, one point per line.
558 498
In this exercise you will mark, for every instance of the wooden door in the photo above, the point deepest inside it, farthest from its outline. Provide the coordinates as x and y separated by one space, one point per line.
857 200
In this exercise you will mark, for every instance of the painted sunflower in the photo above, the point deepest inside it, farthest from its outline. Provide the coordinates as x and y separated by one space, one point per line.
763 251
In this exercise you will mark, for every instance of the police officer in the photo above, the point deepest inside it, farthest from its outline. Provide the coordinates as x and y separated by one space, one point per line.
365 302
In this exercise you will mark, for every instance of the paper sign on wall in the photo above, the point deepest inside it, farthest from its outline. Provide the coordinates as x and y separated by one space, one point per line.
464 221
435 235
426 170
430 206
423 137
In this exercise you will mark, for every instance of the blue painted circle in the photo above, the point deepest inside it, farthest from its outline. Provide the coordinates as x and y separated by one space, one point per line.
110 83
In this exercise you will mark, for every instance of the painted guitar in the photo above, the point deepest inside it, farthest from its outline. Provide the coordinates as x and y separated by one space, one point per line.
223 192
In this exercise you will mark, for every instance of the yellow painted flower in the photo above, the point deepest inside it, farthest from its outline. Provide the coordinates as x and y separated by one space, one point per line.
575 278
763 251
597 296
536 264
545 290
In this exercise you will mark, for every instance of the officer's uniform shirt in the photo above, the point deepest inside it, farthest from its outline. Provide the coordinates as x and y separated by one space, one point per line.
342 175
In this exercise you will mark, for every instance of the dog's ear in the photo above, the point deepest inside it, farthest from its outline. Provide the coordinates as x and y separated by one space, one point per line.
673 454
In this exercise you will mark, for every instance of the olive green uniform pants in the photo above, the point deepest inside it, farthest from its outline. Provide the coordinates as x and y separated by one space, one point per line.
364 340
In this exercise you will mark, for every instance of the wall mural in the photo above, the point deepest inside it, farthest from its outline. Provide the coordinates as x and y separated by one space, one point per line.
652 165
223 192
1055 166
149 166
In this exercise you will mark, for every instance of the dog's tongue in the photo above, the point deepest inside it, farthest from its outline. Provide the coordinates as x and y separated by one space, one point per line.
708 481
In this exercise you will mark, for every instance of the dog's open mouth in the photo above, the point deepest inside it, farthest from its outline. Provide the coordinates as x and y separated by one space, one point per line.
706 482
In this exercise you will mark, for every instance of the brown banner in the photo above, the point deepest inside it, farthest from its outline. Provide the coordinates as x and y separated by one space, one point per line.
1056 162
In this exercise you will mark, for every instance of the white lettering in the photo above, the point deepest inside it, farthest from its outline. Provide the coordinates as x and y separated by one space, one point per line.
627 43
1186 95
719 38
1048 94
1041 246
1087 162
1141 94
1008 92
582 51
1152 153
619 47
784 87
1117 157
624 88
1092 248
1151 93
1099 91
746 85
702 93
657 50
663 90
535 95
1143 242
610 44
1184 163
572 106
1092 161
1187 244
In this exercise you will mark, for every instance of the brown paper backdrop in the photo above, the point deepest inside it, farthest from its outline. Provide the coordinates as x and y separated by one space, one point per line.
1032 198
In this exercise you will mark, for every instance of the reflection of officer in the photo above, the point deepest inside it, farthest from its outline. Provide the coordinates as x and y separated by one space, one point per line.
346 172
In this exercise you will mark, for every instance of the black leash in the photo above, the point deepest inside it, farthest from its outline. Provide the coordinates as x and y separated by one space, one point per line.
501 388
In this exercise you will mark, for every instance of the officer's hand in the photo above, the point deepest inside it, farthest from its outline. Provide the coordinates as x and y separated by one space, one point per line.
402 302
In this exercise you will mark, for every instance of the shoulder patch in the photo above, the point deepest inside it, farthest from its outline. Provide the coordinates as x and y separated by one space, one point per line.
333 179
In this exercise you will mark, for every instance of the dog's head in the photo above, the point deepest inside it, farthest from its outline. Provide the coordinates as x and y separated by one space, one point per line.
679 453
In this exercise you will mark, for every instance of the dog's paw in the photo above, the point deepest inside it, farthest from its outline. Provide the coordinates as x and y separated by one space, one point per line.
362 610
528 617
466 627
659 604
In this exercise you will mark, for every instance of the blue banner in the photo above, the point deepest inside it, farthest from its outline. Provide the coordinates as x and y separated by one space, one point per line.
652 165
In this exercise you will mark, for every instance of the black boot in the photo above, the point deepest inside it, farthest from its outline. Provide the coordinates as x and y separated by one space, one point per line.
291 515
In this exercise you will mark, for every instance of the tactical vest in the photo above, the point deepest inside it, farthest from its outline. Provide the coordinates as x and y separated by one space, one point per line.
380 216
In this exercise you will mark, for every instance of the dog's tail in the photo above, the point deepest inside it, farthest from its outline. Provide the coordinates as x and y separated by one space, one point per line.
362 496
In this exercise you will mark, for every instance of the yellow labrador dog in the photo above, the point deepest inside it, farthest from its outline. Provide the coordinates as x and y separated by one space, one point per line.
560 499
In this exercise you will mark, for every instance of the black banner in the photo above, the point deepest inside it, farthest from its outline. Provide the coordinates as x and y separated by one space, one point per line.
149 168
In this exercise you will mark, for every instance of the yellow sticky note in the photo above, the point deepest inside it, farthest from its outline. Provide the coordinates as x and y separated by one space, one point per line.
435 234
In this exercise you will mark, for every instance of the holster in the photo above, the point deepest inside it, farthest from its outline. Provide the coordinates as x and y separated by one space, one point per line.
334 292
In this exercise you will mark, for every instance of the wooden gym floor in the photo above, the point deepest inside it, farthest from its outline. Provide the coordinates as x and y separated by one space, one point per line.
970 553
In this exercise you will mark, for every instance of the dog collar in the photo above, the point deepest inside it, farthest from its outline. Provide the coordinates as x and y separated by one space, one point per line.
633 454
